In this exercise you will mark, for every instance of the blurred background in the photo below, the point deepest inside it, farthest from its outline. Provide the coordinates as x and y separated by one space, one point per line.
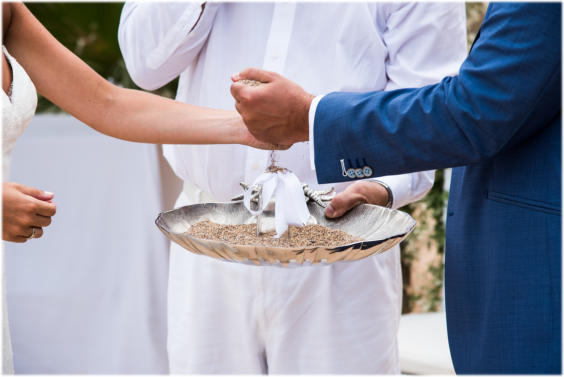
90 31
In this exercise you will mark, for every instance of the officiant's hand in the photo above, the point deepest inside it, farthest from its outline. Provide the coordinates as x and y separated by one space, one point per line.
276 111
25 211
361 192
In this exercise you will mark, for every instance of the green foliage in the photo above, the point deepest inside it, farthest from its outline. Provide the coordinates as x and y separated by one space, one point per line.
474 15
429 213
90 31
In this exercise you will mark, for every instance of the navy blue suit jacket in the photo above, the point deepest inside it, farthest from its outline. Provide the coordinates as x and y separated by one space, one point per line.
499 123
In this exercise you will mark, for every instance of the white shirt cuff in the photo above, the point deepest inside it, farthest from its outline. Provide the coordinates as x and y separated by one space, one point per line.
401 188
312 109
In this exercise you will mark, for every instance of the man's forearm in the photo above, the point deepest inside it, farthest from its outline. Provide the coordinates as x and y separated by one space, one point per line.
462 120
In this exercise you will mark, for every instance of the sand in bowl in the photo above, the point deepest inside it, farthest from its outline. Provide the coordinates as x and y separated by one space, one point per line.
246 234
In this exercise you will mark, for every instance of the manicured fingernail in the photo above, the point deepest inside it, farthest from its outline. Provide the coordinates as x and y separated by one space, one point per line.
48 193
235 77
330 211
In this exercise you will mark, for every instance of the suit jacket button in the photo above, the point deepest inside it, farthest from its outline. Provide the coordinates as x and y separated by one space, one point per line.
358 173
351 174
367 170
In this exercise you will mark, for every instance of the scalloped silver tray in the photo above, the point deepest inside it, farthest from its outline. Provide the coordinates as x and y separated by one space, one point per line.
379 227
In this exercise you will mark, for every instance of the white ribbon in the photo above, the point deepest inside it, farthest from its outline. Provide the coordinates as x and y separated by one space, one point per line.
290 204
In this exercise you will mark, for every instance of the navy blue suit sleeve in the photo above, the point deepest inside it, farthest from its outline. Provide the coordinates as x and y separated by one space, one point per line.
507 89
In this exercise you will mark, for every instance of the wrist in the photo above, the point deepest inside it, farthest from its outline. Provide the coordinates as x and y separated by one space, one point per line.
385 193
304 117
235 131
375 192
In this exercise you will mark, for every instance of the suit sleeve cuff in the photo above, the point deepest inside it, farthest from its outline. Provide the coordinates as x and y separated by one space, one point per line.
312 109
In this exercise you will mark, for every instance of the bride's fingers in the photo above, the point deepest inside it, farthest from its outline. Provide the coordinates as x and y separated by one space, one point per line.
38 233
36 193
45 208
29 231
18 239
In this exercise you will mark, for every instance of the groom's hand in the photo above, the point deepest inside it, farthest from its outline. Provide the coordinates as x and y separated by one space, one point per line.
276 111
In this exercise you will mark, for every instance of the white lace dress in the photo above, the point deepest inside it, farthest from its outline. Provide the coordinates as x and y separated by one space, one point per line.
17 111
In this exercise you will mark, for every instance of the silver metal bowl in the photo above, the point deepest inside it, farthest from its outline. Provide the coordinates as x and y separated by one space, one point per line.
379 227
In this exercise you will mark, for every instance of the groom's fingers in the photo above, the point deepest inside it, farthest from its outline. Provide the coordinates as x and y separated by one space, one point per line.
240 93
238 106
244 93
254 74
241 110
282 147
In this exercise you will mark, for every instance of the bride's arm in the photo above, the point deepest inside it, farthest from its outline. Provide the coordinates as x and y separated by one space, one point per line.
127 114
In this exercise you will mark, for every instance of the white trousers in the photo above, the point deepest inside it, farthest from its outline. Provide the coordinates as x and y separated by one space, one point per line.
231 318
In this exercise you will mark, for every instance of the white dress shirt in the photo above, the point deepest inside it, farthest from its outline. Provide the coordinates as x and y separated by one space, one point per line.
336 47
341 318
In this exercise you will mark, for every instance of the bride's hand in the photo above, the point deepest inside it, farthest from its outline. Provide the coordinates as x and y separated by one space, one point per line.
23 210
248 139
